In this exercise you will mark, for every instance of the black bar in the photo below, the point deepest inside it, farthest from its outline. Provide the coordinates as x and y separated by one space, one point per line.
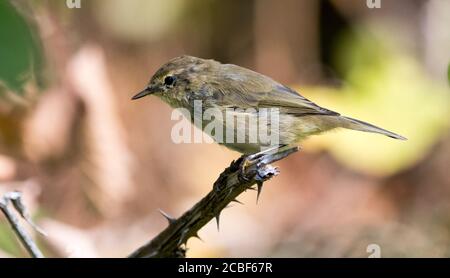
214 267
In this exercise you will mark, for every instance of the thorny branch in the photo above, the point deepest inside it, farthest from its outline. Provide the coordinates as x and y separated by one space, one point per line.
15 198
237 178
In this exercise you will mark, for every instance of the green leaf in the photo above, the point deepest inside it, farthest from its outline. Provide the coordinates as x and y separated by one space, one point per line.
20 52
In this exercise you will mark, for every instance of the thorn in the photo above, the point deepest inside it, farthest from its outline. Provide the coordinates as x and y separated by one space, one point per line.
197 236
218 221
259 189
237 201
169 218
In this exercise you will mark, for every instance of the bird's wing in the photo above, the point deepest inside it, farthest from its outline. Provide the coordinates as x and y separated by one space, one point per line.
291 102
244 88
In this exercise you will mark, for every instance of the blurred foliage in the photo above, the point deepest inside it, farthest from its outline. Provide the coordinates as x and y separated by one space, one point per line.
385 86
8 242
20 51
139 20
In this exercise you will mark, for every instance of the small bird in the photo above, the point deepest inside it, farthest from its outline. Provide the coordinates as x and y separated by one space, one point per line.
227 87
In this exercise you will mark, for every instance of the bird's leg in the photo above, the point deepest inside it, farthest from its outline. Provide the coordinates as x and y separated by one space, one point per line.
256 166
248 159
264 170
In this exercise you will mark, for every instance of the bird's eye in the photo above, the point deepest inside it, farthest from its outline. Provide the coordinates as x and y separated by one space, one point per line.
169 80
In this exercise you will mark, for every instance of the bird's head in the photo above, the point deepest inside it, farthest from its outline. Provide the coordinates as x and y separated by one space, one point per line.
175 78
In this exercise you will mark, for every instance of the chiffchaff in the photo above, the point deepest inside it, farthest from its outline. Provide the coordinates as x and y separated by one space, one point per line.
226 87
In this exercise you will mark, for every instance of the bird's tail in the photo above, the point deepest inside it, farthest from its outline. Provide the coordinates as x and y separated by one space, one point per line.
350 123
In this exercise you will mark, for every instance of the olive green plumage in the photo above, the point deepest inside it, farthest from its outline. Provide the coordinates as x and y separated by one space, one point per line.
185 79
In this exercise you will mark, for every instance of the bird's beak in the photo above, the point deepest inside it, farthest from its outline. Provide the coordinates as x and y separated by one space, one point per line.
143 93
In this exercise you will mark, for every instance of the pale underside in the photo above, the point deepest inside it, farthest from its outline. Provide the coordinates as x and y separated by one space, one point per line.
248 132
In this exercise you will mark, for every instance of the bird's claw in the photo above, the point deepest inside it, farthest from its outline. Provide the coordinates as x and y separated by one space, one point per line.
264 171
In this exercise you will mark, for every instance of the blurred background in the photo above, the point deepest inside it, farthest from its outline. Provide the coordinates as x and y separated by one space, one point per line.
95 167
